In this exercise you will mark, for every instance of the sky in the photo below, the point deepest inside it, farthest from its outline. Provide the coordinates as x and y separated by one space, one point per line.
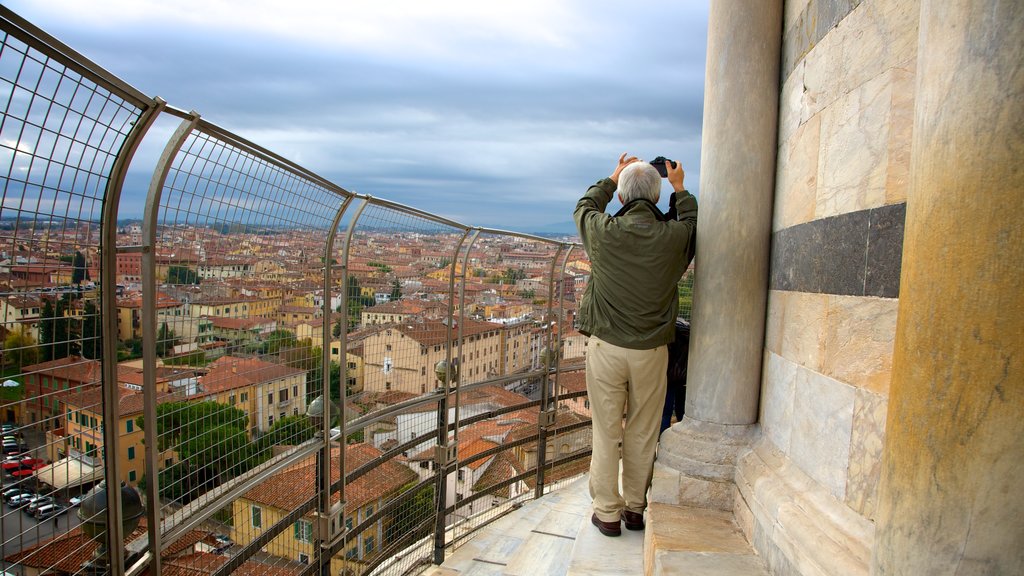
492 114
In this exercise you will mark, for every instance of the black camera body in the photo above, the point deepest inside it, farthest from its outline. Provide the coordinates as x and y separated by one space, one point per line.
659 165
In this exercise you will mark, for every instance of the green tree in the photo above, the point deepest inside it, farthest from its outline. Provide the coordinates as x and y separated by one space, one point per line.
288 430
211 442
182 275
165 340
513 275
20 348
79 271
58 337
279 340
409 521
92 332
396 290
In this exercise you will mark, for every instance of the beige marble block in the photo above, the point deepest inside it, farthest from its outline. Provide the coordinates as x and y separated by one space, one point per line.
797 178
822 427
774 322
901 133
866 445
776 416
855 150
859 339
875 37
803 329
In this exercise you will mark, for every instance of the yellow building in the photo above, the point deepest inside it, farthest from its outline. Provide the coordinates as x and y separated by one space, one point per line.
266 504
84 427
265 391
402 356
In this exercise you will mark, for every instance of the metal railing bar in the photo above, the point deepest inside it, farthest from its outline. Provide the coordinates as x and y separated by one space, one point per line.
519 477
381 512
433 397
390 553
210 502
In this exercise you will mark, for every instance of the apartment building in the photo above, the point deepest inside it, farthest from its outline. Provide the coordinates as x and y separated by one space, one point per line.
265 391
272 500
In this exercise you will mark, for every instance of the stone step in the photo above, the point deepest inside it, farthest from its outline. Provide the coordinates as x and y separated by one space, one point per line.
697 542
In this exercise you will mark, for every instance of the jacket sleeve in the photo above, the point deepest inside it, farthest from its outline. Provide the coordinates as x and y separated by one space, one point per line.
592 206
686 212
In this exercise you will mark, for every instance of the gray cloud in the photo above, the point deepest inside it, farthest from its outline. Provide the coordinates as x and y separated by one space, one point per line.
494 119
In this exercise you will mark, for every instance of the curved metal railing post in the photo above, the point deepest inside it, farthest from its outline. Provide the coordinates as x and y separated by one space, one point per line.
324 534
149 303
546 420
343 359
446 452
108 316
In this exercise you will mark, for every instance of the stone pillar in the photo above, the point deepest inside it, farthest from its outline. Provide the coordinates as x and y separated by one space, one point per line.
741 100
950 495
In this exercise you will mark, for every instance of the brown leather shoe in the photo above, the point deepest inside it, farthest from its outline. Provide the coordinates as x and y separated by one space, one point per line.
633 520
606 528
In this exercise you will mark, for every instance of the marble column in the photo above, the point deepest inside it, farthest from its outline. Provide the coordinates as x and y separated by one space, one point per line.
950 494
741 99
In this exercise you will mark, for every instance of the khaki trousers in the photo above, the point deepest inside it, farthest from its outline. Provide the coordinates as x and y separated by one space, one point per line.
619 379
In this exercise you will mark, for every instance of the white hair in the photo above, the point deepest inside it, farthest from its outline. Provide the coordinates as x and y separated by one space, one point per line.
639 180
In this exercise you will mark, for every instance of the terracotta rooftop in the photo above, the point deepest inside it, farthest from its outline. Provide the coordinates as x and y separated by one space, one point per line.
288 489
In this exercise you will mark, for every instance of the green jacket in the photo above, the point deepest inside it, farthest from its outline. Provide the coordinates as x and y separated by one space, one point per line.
636 259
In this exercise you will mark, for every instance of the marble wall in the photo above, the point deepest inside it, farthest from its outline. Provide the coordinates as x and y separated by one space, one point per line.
846 125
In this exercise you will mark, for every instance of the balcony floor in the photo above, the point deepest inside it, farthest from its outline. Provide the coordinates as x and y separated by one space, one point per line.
547 537
553 536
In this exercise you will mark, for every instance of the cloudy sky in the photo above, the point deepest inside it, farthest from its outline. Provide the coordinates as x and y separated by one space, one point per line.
494 114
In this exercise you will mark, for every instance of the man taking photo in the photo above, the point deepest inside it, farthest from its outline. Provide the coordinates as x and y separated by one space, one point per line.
629 311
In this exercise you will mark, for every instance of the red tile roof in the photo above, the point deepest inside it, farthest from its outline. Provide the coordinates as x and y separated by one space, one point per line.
291 487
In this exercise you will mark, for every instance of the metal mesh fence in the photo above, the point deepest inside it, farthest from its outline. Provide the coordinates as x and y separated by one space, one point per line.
287 378
64 129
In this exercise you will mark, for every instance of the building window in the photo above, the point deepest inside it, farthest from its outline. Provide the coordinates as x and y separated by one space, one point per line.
131 452
462 475
283 394
304 531
131 475
351 553
257 517
244 397
295 391
303 558
368 512
270 398
129 426
368 545
270 420
348 523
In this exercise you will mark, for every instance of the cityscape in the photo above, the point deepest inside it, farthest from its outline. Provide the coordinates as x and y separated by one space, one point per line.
240 341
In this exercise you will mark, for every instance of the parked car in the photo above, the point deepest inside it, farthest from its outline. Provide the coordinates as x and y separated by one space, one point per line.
49 511
74 501
38 502
21 499
12 493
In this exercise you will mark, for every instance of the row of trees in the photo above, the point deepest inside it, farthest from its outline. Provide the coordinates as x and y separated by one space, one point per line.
212 445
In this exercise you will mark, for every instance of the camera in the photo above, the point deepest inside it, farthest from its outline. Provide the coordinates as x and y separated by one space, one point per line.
659 165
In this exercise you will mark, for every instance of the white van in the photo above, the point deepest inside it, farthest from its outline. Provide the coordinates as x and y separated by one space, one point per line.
49 510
